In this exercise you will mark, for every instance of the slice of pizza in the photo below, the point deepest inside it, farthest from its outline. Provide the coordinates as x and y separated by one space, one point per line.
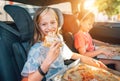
50 39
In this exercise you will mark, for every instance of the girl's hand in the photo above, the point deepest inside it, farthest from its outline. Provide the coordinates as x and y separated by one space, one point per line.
92 62
114 50
53 52
99 64
107 52
52 55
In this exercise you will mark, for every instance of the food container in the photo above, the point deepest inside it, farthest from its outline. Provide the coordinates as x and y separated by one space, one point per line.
114 48
58 76
87 73
117 57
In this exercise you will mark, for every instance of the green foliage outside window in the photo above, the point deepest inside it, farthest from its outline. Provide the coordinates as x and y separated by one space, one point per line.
110 7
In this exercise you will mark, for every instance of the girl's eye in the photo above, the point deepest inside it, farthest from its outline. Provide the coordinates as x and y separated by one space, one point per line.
90 23
44 24
53 22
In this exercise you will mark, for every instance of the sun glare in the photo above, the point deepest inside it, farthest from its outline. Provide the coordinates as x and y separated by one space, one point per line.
89 4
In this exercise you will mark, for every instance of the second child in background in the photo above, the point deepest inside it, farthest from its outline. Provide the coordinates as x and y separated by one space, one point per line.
84 43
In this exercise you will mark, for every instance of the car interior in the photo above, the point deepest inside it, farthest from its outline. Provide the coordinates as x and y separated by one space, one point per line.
16 37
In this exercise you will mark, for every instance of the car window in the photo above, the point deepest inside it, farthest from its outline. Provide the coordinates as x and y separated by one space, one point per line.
64 7
100 16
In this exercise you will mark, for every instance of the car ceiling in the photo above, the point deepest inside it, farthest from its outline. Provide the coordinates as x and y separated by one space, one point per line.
41 2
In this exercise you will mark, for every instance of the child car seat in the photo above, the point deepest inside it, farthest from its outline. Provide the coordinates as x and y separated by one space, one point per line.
7 60
14 44
70 27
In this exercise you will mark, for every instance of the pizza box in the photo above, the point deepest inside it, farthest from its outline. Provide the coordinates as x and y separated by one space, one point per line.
117 52
58 76
114 72
117 57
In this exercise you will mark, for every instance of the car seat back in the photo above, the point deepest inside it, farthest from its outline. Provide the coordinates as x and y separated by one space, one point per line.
70 27
23 22
14 44
9 70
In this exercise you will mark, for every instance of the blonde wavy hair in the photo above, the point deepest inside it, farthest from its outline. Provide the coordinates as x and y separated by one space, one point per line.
38 35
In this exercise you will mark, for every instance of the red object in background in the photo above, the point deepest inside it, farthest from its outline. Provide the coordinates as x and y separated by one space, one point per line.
11 2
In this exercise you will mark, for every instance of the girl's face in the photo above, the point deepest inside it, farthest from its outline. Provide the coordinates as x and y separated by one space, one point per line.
87 25
48 23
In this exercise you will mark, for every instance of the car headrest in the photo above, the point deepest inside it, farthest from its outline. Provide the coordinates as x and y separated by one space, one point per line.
60 17
22 20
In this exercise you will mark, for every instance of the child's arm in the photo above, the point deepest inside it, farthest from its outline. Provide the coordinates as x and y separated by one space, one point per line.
37 76
101 43
94 53
52 55
88 60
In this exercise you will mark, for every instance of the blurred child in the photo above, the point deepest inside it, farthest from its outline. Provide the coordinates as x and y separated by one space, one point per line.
83 41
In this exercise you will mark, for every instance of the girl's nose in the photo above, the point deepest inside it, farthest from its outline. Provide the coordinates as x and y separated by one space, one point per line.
51 27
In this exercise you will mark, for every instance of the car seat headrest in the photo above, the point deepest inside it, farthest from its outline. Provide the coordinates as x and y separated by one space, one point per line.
60 17
22 20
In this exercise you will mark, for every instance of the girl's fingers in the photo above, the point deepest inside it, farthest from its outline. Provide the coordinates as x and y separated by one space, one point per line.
100 64
56 44
55 48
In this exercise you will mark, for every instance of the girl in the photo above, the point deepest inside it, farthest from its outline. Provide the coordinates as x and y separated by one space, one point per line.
43 62
83 41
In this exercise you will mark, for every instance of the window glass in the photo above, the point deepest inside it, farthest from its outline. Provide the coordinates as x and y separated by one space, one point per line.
100 16
64 7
